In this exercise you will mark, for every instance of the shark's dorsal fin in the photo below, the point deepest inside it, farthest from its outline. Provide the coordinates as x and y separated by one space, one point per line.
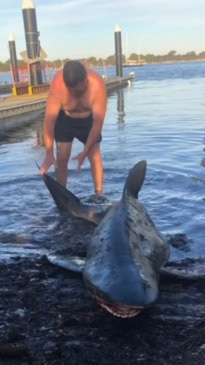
135 179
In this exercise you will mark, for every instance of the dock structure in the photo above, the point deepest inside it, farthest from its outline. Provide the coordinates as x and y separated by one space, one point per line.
18 111
5 89
28 100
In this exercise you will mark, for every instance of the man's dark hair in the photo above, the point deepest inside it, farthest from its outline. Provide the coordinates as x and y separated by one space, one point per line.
74 72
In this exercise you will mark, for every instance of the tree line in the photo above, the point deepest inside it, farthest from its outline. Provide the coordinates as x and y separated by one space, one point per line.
171 56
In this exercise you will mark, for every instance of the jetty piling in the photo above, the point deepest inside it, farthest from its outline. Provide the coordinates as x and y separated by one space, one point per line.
118 51
32 42
13 59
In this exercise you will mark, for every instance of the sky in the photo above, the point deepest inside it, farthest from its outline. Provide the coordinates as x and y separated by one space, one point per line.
78 29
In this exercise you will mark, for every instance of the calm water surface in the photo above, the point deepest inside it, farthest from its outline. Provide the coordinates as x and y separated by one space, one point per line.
160 118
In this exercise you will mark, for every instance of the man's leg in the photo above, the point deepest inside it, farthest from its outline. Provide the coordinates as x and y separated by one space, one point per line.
96 163
63 155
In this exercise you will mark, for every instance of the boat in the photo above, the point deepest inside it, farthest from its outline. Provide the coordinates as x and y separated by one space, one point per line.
132 63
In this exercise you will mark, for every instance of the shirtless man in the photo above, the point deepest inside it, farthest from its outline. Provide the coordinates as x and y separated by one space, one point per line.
76 108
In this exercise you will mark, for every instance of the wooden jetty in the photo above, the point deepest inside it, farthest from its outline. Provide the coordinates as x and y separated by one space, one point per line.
20 110
5 89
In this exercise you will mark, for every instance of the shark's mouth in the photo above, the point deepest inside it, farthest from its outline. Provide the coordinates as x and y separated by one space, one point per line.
119 310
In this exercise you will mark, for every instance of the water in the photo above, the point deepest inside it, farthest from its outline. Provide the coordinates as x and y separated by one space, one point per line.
160 118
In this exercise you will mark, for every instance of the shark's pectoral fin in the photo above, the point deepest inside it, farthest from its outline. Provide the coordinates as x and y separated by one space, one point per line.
188 273
71 263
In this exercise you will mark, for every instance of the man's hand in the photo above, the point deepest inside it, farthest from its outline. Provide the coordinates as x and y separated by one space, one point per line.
49 160
80 158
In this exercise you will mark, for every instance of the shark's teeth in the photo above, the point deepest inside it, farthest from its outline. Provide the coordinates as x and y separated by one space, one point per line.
120 310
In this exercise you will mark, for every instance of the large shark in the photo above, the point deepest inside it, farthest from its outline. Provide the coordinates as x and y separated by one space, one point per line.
126 251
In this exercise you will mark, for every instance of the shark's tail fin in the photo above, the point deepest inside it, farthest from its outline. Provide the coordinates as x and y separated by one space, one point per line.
64 199
67 202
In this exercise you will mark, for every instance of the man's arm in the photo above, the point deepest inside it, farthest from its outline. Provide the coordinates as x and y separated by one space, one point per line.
52 110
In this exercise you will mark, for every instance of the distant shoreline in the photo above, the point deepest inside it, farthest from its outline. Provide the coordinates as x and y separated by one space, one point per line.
143 64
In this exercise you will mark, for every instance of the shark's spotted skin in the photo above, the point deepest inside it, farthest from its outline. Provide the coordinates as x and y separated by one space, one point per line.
125 255
126 251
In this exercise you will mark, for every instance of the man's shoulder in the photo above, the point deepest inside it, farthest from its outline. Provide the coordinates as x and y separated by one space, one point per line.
95 77
93 73
57 83
58 78
57 87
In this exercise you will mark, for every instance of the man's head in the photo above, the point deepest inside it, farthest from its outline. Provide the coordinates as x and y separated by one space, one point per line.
75 77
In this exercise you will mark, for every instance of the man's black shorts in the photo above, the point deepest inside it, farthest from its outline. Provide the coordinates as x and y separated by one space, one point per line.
67 128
